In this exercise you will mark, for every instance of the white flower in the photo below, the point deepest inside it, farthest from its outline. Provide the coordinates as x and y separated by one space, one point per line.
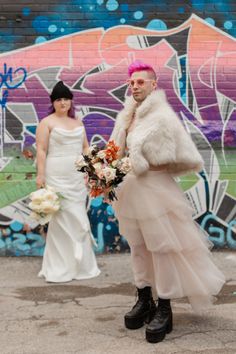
99 170
101 154
44 203
100 174
109 173
97 166
49 195
38 195
80 162
115 163
35 207
48 207
125 165
43 194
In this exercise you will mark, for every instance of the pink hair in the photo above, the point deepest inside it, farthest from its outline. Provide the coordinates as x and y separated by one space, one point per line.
138 65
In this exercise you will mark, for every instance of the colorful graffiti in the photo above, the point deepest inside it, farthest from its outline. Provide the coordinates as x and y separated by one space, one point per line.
36 23
195 65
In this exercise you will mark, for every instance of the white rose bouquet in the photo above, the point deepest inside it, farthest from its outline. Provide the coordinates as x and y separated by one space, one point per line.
44 203
104 169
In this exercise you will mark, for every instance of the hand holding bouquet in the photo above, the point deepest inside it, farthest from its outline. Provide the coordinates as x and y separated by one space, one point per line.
104 169
44 203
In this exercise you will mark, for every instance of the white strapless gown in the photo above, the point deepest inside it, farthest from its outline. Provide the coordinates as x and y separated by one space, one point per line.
69 244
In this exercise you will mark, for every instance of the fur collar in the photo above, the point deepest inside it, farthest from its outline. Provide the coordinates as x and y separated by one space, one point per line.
156 99
152 102
153 139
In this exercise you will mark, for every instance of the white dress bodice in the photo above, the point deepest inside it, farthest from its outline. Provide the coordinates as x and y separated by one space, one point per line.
63 142
64 148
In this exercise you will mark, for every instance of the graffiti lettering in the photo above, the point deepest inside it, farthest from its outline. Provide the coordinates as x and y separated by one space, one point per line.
195 65
9 77
3 101
229 236
218 233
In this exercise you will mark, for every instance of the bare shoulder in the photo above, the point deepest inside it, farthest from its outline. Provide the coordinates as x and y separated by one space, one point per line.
79 122
45 122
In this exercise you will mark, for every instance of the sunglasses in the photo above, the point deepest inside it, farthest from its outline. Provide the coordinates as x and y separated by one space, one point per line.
139 82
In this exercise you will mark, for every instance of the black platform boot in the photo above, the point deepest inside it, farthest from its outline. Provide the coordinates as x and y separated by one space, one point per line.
161 323
143 311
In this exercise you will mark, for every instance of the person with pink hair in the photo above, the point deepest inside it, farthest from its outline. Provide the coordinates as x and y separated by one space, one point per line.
169 253
137 66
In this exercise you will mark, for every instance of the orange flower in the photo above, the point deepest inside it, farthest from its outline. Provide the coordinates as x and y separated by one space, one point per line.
95 192
112 151
112 146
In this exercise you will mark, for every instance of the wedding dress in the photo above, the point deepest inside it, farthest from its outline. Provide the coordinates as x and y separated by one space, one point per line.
69 244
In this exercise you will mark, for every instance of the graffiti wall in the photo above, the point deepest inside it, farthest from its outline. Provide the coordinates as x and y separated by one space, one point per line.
89 45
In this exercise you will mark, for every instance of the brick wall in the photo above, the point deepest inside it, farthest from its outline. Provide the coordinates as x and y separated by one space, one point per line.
89 45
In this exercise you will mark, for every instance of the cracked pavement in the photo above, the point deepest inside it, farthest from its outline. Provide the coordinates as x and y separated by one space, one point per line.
86 317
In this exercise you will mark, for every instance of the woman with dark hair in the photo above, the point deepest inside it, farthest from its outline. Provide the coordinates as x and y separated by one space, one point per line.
60 139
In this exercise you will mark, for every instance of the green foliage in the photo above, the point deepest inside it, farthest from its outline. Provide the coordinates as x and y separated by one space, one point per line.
17 180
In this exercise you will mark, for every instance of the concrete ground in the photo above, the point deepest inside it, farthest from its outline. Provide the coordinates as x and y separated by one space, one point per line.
86 317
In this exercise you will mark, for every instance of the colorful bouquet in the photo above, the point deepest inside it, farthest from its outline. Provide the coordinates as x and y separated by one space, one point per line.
104 169
44 203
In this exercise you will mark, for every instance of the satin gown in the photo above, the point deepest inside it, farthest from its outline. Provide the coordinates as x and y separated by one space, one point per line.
69 244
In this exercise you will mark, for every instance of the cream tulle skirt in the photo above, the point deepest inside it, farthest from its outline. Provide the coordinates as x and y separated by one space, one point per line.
152 211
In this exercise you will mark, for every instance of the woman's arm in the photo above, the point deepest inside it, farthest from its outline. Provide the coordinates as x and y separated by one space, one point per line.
42 138
85 144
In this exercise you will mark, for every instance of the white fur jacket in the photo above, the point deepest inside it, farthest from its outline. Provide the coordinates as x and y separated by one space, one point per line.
157 138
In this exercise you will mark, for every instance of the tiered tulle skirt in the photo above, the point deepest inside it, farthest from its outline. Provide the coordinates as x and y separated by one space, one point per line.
153 210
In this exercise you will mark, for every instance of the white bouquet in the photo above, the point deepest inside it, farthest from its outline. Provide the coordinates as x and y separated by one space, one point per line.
44 203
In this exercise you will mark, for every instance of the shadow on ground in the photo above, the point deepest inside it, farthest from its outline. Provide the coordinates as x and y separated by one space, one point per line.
58 293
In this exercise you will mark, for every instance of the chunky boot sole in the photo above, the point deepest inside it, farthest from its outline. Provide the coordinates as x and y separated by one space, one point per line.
138 322
158 336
